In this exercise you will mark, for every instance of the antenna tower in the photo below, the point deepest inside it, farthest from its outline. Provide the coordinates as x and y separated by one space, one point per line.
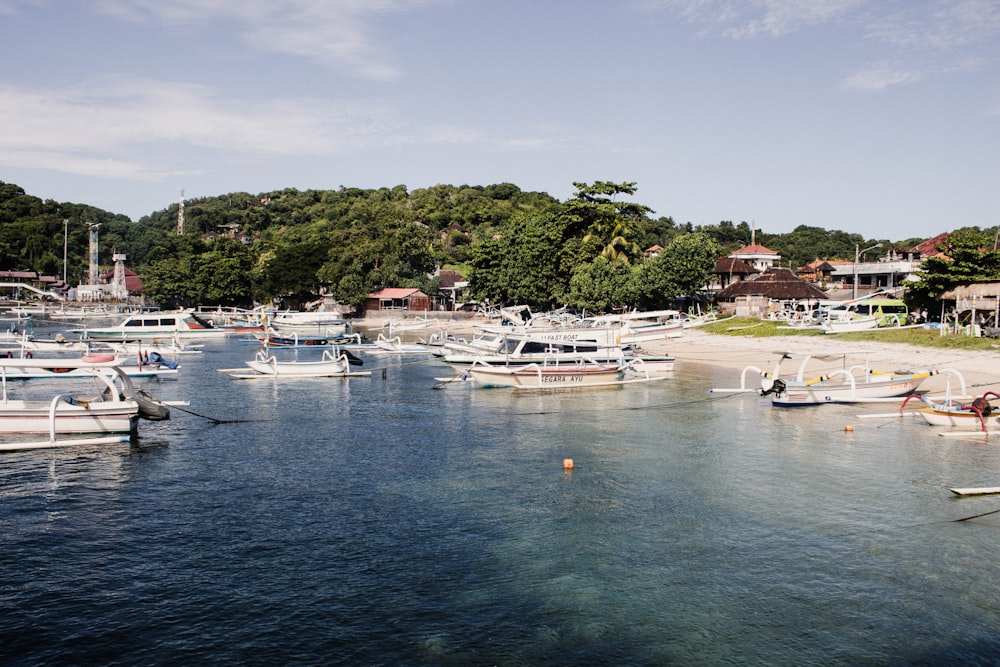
180 215
93 277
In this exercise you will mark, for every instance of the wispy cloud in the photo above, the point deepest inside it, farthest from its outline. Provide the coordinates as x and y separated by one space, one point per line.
881 76
63 129
918 39
111 127
338 33
757 18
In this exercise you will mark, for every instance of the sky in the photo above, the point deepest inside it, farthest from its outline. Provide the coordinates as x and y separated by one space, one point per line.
874 117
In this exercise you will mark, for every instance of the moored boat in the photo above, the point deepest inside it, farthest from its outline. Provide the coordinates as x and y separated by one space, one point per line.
332 363
101 401
541 376
848 325
854 384
395 345
979 415
144 326
319 323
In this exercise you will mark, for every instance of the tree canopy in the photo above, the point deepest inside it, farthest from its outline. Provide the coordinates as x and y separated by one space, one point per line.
513 246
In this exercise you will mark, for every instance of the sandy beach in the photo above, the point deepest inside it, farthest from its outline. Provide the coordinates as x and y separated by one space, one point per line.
980 368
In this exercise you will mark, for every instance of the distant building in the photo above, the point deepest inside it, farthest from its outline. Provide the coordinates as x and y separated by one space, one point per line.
398 298
452 284
757 297
757 256
729 271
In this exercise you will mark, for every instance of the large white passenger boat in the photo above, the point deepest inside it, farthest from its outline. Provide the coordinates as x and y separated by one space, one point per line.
162 326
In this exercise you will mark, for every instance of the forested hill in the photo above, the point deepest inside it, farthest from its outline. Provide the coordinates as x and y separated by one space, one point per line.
241 247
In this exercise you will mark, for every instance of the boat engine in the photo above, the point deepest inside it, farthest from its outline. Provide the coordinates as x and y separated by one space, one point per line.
777 388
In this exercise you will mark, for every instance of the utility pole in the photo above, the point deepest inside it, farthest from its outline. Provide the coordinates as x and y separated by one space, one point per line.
65 244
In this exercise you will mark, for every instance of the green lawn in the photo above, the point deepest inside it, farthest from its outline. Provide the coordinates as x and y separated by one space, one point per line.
751 326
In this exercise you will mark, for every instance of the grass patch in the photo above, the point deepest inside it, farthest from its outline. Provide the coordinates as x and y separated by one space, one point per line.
757 328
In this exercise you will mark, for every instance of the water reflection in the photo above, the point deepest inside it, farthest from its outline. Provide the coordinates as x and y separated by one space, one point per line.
380 521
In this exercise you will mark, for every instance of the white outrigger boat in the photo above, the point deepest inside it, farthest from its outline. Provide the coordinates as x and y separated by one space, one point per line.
333 363
847 325
979 415
395 345
321 323
56 368
412 324
513 349
640 326
975 490
29 343
583 374
853 384
108 412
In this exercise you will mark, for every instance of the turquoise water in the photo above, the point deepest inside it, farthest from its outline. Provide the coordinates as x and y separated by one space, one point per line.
379 521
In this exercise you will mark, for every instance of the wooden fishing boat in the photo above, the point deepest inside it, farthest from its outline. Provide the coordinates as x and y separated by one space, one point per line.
57 368
522 348
95 397
979 415
855 384
848 325
395 345
333 363
541 376
975 490
320 323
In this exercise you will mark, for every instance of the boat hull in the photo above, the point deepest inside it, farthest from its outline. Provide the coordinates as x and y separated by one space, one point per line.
962 420
34 417
845 392
846 326
550 377
300 368
154 326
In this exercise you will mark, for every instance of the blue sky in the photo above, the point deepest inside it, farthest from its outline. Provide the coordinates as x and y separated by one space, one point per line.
876 117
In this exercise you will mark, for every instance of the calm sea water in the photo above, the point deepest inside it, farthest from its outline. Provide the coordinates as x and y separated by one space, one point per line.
380 521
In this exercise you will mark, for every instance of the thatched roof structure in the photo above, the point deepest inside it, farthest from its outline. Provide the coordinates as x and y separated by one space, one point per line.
971 291
733 266
775 283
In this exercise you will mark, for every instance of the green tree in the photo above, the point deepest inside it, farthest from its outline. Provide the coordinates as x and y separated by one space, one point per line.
168 282
602 284
970 255
290 270
613 225
522 265
681 269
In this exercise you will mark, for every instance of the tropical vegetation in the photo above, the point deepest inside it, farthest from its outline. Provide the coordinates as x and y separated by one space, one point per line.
588 252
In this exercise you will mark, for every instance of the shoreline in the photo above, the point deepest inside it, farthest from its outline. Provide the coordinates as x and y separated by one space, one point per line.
980 368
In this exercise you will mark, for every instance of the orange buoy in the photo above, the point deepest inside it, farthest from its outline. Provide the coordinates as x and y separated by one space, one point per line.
567 464
849 428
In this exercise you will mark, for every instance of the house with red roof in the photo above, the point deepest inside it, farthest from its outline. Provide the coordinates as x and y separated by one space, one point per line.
759 257
398 298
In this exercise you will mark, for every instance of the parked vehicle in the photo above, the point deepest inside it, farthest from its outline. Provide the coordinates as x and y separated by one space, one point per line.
891 312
